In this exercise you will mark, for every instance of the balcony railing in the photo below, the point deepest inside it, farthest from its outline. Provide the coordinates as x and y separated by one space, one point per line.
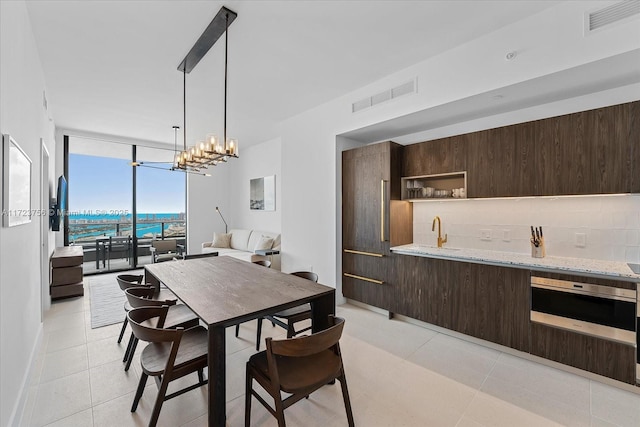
92 236
81 232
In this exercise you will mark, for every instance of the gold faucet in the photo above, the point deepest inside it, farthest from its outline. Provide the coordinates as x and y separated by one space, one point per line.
433 227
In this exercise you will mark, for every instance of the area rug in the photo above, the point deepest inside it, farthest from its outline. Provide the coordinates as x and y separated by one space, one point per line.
106 299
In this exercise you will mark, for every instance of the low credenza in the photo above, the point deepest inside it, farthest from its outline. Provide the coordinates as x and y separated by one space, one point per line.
66 272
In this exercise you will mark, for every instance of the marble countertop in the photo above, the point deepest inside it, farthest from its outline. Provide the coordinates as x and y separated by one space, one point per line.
580 266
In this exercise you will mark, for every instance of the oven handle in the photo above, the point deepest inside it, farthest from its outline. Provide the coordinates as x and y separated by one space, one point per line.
599 291
586 328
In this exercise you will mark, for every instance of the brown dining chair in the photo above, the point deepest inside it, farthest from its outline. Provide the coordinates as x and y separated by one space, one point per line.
177 315
288 318
263 263
126 281
196 256
297 366
170 354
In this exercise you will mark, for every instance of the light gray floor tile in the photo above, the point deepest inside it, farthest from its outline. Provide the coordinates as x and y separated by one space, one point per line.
491 411
63 321
109 381
458 360
615 405
66 306
61 398
111 331
81 419
65 338
550 383
468 422
64 362
175 412
106 350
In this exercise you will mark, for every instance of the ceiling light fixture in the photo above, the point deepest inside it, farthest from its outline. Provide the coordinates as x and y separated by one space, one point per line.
211 151
175 154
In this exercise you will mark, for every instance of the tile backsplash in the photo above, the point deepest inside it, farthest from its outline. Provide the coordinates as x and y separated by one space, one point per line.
603 227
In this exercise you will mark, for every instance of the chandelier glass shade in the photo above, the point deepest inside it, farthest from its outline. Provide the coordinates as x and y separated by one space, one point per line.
206 153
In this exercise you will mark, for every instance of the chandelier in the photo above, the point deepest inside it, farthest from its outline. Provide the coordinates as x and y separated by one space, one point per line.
212 150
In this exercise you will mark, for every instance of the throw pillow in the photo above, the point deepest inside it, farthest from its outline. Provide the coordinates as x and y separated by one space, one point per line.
265 242
221 240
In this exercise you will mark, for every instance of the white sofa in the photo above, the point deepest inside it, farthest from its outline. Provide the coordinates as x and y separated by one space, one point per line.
242 245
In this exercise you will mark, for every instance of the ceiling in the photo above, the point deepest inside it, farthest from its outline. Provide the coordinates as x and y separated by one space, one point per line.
111 66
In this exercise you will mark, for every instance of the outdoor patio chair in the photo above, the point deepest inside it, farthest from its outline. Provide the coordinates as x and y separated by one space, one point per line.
165 250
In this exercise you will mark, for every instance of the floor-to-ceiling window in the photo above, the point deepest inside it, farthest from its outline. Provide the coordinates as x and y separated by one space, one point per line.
160 202
103 212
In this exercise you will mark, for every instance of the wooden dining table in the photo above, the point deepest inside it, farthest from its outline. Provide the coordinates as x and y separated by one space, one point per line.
224 291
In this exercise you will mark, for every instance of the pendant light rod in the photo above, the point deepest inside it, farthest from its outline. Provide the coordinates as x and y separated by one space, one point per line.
184 110
226 45
209 37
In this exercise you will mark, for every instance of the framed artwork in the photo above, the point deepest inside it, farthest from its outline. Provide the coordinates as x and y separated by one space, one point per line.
16 184
262 193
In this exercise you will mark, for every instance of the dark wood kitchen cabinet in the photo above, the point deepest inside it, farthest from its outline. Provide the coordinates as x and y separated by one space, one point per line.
589 152
500 162
436 157
373 220
483 301
597 355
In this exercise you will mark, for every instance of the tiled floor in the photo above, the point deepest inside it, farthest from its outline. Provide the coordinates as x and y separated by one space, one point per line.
399 374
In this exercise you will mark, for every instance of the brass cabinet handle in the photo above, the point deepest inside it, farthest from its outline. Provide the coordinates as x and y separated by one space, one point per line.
382 210
351 251
366 279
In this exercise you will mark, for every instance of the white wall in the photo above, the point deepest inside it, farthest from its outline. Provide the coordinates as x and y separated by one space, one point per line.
255 162
548 42
228 188
23 116
611 224
204 193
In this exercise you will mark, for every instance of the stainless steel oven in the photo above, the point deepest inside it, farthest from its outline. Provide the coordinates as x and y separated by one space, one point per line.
601 311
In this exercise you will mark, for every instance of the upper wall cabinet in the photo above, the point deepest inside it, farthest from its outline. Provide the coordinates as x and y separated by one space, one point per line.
436 157
591 152
586 153
500 162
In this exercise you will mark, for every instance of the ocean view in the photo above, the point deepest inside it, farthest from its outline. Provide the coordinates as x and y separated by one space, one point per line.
86 226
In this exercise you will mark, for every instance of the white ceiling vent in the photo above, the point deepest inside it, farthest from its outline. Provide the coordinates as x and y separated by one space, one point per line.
387 95
611 14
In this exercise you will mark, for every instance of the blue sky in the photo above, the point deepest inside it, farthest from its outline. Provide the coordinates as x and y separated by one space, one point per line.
104 183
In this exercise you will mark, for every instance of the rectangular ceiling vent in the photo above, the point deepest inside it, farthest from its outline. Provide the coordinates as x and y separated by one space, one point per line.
387 95
611 14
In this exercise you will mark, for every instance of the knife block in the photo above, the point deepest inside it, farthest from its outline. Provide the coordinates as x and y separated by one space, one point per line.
538 251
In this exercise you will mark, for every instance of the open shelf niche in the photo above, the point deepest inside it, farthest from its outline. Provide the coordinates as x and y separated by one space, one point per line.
434 187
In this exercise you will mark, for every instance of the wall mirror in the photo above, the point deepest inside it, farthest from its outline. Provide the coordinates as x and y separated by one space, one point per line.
262 193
